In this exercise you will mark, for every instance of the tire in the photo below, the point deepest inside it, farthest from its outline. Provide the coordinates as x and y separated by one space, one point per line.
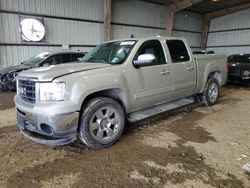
211 93
102 123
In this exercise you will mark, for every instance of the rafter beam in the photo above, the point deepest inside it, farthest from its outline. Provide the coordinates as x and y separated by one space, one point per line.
226 11
182 4
212 15
175 7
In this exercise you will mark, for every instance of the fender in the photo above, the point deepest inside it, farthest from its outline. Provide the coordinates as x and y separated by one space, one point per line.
208 70
94 83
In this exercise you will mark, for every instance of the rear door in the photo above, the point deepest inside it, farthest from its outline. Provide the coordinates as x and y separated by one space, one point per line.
184 69
76 57
152 84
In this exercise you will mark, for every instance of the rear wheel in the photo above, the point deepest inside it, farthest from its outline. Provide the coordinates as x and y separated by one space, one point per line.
102 123
210 94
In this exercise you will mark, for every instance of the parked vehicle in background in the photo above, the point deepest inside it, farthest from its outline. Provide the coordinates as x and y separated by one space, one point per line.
123 79
239 68
203 52
8 75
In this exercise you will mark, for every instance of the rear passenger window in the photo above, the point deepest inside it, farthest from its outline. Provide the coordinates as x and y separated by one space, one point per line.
178 51
76 56
80 55
66 58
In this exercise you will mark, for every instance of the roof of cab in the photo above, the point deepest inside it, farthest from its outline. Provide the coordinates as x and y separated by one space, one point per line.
147 38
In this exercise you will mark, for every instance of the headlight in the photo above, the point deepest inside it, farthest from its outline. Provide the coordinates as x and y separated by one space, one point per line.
12 76
52 91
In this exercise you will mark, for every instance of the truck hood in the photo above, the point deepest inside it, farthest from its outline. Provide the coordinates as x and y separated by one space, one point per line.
54 71
14 68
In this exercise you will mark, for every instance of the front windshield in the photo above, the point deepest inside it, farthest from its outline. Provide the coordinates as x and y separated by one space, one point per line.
110 53
244 58
37 58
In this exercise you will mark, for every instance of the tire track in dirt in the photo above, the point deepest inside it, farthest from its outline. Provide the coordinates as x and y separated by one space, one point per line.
114 166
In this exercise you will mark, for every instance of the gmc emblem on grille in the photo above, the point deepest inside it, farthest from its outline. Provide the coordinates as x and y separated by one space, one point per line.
22 90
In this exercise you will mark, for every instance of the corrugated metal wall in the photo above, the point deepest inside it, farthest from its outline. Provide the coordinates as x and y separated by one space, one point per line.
230 34
189 26
58 31
138 12
89 9
153 17
79 23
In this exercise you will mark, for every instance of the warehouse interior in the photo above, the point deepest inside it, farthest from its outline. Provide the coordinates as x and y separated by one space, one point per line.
80 24
192 146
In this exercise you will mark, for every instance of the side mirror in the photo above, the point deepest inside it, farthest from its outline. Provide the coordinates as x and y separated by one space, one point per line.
144 60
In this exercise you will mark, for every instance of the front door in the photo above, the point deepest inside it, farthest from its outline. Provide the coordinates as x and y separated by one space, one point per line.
152 85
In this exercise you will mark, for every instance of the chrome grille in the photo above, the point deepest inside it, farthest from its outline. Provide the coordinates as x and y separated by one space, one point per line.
27 90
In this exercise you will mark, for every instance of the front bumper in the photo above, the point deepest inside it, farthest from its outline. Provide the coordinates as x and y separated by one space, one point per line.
48 130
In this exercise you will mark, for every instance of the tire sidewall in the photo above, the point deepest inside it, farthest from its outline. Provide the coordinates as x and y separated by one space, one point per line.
206 97
94 105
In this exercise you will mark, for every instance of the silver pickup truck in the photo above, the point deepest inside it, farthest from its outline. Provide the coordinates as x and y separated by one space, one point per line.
118 81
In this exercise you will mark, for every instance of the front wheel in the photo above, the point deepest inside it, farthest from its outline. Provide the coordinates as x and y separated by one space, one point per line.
102 122
210 94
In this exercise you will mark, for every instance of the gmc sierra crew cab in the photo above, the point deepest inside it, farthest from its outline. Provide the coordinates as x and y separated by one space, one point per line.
118 81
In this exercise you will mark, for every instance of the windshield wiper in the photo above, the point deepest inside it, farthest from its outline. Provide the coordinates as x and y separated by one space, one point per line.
100 61
96 60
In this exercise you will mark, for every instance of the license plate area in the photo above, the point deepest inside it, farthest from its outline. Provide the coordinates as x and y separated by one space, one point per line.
20 122
246 78
25 124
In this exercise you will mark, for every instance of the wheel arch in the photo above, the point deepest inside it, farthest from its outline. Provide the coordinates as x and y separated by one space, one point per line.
217 76
213 74
114 93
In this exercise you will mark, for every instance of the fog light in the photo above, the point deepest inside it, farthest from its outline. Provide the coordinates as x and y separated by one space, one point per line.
46 128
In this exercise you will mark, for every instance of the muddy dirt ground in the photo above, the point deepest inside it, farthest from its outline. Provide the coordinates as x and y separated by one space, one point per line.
190 147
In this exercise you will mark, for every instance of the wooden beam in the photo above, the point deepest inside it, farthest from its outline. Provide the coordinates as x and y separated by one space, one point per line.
212 15
204 33
226 11
170 21
180 5
107 20
175 7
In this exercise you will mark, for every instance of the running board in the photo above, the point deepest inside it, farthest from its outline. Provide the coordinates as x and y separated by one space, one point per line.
139 115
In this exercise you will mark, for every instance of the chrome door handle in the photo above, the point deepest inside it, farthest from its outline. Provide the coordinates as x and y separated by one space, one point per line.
190 68
164 72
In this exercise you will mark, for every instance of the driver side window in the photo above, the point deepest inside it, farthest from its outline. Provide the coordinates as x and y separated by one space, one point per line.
152 47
